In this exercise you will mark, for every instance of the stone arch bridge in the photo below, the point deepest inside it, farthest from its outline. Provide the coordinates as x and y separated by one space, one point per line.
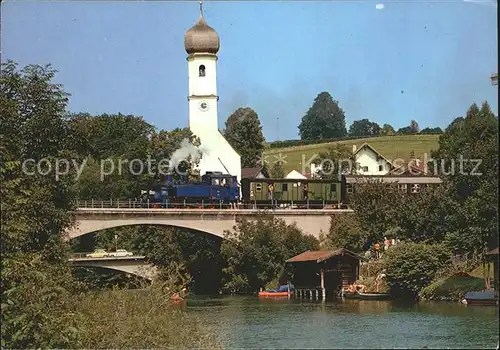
215 222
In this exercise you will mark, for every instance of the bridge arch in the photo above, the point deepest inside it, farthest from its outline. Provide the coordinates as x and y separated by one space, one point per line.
90 226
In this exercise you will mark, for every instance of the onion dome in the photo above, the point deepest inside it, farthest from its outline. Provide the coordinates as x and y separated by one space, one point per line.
201 38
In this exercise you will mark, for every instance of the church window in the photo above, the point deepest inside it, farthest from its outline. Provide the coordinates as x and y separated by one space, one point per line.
202 70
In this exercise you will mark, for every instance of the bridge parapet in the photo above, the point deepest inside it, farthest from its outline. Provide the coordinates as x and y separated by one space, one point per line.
135 204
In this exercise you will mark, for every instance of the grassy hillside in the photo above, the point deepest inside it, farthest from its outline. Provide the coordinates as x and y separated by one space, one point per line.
391 147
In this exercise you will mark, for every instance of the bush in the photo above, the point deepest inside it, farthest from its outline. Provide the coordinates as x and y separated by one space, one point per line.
452 288
412 266
139 319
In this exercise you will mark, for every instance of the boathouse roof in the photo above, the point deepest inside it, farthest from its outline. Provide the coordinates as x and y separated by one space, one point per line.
321 255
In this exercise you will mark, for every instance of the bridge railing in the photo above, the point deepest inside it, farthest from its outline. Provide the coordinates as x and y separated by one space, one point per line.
135 204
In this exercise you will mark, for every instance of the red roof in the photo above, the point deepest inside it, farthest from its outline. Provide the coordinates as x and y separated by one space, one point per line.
321 255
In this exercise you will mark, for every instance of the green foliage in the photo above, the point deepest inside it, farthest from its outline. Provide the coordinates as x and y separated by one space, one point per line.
377 206
412 266
345 232
37 308
413 128
255 252
424 216
244 133
277 171
387 130
325 119
451 288
436 130
139 319
364 127
474 223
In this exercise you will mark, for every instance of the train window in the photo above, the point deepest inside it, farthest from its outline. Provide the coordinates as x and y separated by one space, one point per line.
284 187
215 182
258 187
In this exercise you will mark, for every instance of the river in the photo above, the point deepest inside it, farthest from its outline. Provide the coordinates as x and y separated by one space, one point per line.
250 322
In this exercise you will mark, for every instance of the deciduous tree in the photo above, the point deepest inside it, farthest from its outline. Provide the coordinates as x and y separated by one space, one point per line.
244 133
364 127
325 119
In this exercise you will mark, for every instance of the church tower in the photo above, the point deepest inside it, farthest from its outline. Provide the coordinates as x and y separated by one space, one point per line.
201 43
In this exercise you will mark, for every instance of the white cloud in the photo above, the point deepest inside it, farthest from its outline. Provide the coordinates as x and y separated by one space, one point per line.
379 6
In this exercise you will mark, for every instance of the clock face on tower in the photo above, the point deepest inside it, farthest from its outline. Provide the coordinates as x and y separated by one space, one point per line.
203 106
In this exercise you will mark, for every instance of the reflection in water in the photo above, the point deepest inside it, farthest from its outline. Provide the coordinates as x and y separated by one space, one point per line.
250 322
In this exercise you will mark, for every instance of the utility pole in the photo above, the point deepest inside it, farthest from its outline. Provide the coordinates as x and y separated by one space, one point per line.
277 128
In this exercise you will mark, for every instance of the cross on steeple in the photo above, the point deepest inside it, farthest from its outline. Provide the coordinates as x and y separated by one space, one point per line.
201 7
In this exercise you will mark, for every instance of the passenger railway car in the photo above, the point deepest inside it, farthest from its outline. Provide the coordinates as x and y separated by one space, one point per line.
309 193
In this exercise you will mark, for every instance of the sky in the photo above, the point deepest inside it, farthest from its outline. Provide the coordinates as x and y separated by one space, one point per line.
388 61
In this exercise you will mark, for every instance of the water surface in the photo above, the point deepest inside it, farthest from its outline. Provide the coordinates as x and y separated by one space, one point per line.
250 322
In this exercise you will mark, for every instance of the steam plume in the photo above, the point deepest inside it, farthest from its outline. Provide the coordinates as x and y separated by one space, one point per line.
187 151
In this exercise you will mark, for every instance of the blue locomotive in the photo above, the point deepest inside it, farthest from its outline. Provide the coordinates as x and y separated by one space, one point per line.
214 190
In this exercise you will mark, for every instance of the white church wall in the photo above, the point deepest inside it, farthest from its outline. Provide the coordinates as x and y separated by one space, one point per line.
206 85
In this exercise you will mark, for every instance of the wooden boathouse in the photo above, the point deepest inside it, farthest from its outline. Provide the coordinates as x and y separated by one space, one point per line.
320 274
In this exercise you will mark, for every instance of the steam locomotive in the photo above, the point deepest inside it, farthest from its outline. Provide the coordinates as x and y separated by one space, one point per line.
214 190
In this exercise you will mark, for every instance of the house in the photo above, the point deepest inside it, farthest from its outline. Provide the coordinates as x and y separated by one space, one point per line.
252 173
371 162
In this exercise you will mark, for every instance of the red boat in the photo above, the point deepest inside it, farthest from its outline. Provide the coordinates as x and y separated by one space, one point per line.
281 292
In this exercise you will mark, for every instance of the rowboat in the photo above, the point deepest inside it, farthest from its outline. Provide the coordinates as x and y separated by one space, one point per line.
375 296
274 294
367 296
487 298
282 291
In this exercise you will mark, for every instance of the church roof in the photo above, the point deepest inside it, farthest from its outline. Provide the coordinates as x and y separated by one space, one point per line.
201 38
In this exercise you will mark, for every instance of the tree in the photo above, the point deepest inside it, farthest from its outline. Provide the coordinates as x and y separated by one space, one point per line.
467 161
412 266
277 170
387 130
364 127
325 119
256 251
36 280
414 128
376 205
436 130
244 133
411 129
345 232
424 217
404 131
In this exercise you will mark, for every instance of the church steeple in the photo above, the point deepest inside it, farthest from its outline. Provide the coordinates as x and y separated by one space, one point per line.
201 38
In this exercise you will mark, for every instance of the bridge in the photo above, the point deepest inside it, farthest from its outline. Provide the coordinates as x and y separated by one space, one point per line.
134 265
211 221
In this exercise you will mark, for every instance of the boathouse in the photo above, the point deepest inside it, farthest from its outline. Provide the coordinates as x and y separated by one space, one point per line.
321 274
